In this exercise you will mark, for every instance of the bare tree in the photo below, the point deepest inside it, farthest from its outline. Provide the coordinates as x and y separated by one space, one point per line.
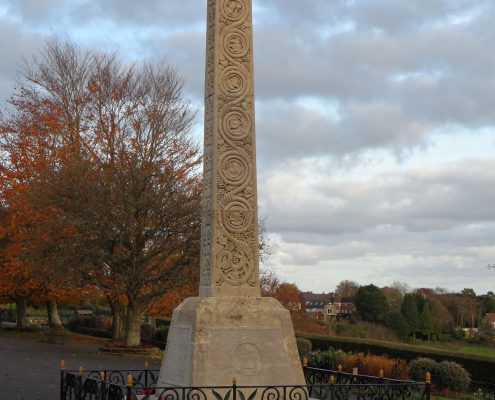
121 173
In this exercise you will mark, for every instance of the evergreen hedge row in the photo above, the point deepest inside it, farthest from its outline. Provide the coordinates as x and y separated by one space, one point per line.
480 368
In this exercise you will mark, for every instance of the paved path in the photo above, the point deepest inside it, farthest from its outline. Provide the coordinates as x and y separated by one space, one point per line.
29 370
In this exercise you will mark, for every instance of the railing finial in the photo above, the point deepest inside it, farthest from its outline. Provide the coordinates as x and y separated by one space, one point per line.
62 365
129 380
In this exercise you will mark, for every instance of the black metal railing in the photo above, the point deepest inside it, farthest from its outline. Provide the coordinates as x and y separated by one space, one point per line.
321 385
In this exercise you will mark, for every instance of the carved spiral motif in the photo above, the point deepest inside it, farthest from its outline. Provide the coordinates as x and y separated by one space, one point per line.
234 168
236 44
237 216
234 10
236 124
234 82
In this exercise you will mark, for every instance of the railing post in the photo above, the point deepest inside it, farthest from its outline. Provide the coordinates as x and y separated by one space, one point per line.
129 387
234 388
146 366
428 385
80 384
102 386
332 387
62 380
381 381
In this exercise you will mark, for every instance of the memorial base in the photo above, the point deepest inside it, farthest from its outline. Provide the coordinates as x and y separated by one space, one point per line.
213 339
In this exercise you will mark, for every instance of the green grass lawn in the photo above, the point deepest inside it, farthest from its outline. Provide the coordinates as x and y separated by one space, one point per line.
482 351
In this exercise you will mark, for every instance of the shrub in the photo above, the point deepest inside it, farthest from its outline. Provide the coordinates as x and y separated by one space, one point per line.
452 376
369 364
304 347
161 333
327 359
459 334
445 337
85 322
419 366
481 368
147 331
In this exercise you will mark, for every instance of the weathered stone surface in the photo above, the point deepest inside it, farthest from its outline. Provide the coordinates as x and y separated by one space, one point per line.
229 231
230 330
246 337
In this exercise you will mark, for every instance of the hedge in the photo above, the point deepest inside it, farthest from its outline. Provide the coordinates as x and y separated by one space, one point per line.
481 368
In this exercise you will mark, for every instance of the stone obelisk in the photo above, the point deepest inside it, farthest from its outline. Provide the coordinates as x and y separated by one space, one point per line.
230 330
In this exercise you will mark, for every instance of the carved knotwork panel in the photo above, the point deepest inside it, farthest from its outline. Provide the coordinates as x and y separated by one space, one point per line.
229 252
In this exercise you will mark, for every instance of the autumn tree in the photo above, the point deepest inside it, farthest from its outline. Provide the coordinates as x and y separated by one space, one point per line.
347 288
122 182
289 295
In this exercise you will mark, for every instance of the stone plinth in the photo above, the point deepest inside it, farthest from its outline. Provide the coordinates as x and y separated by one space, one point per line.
211 340
230 330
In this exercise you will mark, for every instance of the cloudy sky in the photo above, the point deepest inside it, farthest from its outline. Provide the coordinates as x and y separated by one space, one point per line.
375 124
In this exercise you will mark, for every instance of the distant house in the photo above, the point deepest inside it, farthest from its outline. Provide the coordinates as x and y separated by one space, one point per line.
491 317
315 302
328 305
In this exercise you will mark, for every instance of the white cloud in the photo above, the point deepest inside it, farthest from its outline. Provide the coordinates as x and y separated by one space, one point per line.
358 105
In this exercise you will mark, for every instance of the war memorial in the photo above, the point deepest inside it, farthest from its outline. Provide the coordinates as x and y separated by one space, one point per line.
230 330
229 342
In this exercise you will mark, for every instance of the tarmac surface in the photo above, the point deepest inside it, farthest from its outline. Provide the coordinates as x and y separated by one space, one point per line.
30 370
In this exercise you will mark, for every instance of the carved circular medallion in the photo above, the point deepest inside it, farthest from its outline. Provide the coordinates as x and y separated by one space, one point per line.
238 216
234 10
234 82
246 359
236 43
236 124
234 168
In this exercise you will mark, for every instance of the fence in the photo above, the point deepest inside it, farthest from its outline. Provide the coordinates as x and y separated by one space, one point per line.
321 385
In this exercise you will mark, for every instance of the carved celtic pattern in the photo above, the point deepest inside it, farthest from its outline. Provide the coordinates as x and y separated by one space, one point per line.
236 124
235 10
229 247
234 81
236 43
234 168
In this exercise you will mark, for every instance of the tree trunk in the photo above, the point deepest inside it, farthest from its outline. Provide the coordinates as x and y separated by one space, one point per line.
133 326
54 321
118 318
21 306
